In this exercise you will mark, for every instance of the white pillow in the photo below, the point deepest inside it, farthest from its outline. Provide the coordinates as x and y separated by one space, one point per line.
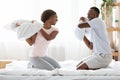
12 26
26 29
79 33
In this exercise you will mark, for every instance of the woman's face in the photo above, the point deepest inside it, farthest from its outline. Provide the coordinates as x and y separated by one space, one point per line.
53 19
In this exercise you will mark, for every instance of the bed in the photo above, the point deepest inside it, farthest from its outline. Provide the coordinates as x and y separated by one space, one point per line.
18 70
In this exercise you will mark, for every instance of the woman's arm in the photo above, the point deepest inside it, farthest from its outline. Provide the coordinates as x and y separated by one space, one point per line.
31 40
50 36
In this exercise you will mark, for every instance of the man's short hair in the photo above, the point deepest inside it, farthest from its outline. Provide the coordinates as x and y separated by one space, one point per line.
96 9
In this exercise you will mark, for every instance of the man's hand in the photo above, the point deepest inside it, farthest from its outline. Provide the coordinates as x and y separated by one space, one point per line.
17 24
33 21
82 19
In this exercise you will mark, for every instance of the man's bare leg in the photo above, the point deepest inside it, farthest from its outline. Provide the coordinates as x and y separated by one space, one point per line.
79 64
83 66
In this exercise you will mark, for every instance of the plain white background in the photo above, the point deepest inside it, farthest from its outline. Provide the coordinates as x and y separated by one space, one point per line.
64 47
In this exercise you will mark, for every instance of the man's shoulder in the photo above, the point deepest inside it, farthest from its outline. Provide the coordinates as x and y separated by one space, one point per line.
97 19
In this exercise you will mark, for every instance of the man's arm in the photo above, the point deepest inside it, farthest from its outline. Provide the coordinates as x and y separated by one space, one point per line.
31 40
83 25
88 43
49 36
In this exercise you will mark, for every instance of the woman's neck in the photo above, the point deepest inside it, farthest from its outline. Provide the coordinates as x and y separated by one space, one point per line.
47 25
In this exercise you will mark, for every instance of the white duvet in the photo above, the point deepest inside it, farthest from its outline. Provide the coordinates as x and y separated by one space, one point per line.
26 72
68 69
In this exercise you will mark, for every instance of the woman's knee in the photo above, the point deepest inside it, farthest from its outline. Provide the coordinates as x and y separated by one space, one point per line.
41 64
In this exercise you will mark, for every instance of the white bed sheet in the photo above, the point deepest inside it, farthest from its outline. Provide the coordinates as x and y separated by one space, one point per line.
18 70
59 77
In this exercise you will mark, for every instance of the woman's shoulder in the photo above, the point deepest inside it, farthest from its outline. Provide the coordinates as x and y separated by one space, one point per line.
54 28
51 29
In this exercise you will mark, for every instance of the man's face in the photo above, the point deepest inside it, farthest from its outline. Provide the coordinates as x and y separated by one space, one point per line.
92 14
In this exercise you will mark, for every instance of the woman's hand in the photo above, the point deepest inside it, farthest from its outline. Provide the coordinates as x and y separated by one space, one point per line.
31 40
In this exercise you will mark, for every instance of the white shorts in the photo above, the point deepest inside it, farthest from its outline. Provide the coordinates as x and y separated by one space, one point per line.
98 60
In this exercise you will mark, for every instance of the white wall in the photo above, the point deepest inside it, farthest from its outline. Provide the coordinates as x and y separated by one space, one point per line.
65 46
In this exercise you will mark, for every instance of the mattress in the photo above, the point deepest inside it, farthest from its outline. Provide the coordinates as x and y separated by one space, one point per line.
18 71
60 78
